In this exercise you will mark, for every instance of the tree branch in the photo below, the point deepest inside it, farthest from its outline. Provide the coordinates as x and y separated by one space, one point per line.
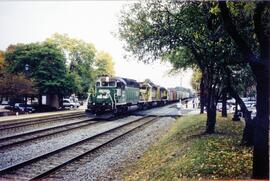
259 30
232 31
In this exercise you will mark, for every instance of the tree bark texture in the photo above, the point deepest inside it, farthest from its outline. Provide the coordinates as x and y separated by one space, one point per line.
260 67
224 103
39 99
211 111
261 134
248 133
202 96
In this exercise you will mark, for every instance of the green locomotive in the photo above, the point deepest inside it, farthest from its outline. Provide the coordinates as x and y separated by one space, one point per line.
113 94
118 95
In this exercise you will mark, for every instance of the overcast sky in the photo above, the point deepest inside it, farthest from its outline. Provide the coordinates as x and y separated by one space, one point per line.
91 21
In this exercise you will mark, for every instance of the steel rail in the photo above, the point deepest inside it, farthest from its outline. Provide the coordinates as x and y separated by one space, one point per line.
34 121
11 140
44 174
81 142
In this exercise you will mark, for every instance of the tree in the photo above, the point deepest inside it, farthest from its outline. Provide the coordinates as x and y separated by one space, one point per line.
188 33
104 64
80 57
12 85
46 67
196 79
2 60
253 41
18 85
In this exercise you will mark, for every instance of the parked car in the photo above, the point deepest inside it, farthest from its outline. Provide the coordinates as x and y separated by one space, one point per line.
250 104
9 107
23 107
70 104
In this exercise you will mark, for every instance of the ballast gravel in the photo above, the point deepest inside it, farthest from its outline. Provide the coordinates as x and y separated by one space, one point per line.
109 164
38 126
24 152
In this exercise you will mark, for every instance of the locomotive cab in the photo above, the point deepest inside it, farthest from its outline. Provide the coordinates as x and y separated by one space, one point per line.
120 88
103 98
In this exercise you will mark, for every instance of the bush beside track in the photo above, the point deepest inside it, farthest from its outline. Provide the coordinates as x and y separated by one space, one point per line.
185 153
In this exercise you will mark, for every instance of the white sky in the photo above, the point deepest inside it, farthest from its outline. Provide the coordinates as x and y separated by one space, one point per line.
91 21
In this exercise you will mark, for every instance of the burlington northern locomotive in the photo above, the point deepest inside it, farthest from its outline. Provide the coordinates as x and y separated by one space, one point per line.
117 95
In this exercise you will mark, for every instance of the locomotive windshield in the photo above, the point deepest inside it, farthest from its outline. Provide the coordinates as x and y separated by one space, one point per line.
108 84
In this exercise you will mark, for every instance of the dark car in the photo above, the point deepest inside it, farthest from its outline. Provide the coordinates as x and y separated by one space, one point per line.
23 107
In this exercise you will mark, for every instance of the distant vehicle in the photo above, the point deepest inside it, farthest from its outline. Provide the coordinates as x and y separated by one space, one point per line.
5 103
219 106
70 104
23 107
250 104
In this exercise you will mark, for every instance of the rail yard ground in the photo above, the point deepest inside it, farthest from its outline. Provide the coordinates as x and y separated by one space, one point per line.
169 147
42 142
185 153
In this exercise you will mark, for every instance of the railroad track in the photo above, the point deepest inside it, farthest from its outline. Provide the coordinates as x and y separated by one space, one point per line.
9 141
37 120
42 166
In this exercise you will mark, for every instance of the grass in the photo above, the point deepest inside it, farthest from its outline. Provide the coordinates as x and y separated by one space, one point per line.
186 153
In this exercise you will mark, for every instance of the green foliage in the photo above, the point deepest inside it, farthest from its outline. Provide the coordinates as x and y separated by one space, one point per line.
60 65
186 34
104 64
80 57
196 79
46 66
184 153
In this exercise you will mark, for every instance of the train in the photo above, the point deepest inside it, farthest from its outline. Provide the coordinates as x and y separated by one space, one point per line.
118 95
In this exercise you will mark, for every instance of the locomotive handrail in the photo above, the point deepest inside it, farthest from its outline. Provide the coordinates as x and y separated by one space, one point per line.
112 100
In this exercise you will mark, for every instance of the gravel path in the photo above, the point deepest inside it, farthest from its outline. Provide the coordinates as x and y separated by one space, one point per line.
108 163
18 154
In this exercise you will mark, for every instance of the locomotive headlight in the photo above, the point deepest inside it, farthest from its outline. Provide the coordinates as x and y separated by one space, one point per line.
93 103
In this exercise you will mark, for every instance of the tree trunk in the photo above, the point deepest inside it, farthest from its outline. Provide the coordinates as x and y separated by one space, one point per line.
60 99
211 112
202 96
224 103
39 99
261 134
211 121
236 116
260 68
248 132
